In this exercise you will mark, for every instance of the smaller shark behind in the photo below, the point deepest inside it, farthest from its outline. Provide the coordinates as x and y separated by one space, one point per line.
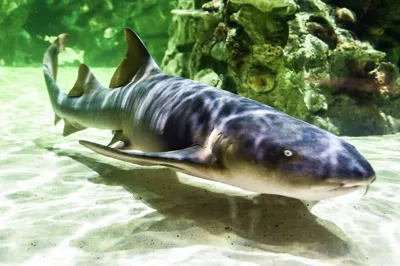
203 131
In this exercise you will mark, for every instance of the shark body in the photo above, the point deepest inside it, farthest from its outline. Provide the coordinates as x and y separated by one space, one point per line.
204 131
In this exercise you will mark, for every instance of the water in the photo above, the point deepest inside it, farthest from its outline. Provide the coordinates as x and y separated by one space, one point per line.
62 204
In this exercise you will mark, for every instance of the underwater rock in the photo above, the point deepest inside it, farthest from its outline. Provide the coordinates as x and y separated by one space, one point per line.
324 32
386 75
281 7
212 6
377 23
260 80
314 101
346 16
208 76
301 57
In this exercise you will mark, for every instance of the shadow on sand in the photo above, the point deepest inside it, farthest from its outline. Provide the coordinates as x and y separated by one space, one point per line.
266 222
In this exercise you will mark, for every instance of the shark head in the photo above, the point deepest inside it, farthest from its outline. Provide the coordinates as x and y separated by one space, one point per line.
295 159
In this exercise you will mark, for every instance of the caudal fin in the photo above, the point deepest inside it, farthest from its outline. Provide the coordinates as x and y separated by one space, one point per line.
50 67
50 59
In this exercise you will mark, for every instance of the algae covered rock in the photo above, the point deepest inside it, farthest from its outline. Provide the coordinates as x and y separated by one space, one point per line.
301 57
283 7
377 22
208 76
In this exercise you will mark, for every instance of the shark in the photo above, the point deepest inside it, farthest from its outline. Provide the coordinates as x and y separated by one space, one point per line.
203 131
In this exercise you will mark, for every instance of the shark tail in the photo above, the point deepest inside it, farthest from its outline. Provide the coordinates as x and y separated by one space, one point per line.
137 63
50 69
50 59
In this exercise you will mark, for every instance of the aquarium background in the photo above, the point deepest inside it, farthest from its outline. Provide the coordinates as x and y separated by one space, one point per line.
331 63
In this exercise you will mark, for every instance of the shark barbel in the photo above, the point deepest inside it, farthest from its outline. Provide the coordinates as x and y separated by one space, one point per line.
203 131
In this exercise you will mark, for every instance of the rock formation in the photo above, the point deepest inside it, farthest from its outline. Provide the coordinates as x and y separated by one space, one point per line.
302 57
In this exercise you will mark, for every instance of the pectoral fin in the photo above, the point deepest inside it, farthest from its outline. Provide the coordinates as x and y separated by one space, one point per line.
190 159
119 141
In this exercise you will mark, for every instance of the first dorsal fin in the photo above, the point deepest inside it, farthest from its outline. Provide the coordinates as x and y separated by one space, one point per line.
86 81
137 56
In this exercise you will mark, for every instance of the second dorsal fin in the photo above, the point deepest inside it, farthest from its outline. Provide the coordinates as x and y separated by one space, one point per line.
86 81
137 56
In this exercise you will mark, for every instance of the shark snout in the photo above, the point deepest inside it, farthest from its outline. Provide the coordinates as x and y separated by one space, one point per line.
359 168
351 172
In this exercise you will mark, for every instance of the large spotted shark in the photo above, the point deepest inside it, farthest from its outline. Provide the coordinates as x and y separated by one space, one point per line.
158 119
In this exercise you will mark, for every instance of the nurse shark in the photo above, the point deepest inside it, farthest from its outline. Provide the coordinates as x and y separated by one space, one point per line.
159 119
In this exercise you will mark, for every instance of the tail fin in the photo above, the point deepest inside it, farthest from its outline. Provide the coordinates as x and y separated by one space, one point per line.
50 59
50 67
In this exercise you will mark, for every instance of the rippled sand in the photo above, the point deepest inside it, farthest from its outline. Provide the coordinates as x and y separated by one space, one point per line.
61 204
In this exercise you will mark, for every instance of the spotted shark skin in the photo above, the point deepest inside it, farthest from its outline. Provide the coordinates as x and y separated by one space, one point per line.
204 131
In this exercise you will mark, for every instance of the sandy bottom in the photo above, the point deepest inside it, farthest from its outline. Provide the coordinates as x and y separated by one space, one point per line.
61 204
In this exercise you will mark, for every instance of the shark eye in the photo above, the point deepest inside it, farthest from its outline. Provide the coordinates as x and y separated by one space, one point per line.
288 153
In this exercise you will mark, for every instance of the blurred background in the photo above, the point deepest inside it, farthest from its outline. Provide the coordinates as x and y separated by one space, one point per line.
96 28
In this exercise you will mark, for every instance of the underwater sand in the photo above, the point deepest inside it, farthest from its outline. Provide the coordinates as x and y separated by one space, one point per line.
61 204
